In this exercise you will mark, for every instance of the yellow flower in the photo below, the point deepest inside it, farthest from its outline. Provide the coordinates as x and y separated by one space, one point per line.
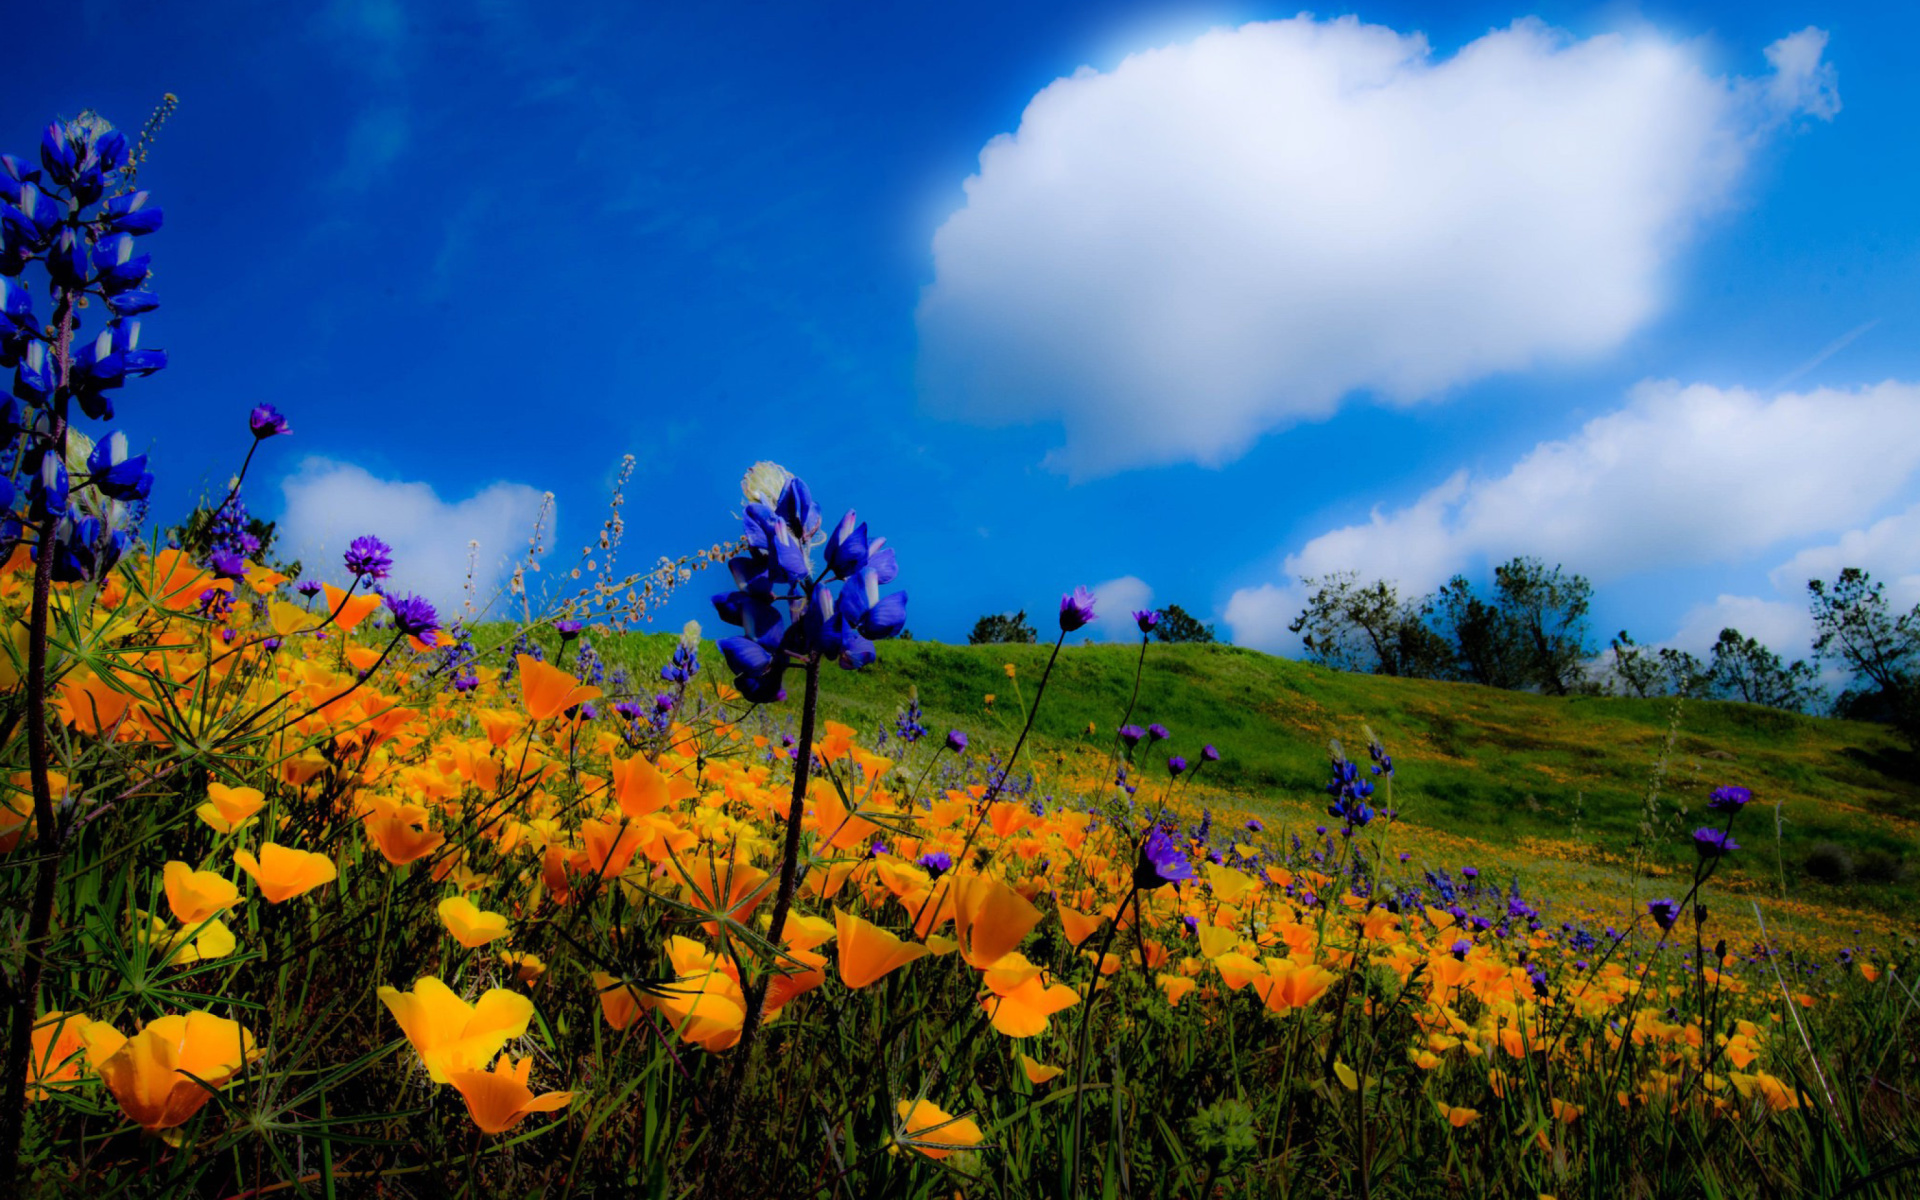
282 873
869 953
500 1099
164 1074
932 1131
451 1035
196 895
1008 668
59 1047
228 808
470 925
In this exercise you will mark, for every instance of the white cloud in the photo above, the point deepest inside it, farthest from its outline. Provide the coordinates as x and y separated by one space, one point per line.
1114 603
1681 476
1223 237
1786 629
329 503
1888 549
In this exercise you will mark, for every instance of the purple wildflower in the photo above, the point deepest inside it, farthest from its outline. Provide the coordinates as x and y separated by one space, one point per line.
1729 799
1713 843
1076 609
369 556
1161 861
413 616
956 741
265 421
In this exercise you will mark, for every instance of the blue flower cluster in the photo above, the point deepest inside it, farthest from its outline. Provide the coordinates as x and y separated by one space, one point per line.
787 611
78 218
1350 795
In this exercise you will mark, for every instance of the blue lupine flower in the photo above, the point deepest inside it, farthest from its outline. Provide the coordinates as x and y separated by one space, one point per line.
47 489
908 725
114 472
777 572
85 547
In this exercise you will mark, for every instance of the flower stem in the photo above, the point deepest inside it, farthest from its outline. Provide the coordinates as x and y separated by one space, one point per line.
25 995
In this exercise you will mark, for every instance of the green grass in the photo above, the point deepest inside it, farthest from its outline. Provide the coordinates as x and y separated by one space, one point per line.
1493 766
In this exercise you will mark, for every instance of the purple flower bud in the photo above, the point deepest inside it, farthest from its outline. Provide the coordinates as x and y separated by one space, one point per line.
265 421
1208 753
956 741
1158 732
1175 765
1146 619
1076 609
568 630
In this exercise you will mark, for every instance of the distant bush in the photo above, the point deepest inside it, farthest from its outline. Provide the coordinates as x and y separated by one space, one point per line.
1829 863
1002 627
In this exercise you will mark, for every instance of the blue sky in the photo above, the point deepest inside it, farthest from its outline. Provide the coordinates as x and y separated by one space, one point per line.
1561 289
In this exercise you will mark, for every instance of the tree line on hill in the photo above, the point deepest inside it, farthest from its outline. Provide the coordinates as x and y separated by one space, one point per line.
1176 625
1532 633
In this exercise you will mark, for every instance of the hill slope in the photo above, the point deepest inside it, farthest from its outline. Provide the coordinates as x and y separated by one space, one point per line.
1538 777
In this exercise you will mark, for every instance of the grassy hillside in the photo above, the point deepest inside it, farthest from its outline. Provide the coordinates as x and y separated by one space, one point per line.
1530 781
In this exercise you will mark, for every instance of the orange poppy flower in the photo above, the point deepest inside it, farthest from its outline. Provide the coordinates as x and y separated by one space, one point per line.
990 919
471 926
547 691
59 1053
176 583
500 1099
1023 1010
933 1131
1458 1115
640 788
196 895
1175 986
718 885
228 808
348 610
399 830
869 953
448 1033
281 872
164 1074
1038 1073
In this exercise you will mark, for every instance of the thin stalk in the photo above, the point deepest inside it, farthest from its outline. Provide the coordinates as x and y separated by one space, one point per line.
26 995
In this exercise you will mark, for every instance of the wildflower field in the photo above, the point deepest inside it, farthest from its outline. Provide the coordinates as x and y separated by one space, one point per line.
312 892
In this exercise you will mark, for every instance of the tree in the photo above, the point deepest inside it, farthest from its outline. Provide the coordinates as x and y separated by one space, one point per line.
1370 628
1743 669
1001 627
1546 615
1179 625
1637 668
1855 627
1480 636
1687 676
